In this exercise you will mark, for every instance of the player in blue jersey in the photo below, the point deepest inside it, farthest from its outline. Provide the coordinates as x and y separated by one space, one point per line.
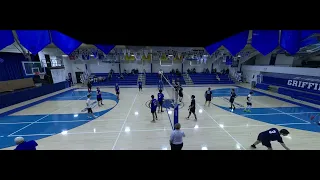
160 85
271 135
25 145
160 100
153 106
99 97
140 84
117 90
192 108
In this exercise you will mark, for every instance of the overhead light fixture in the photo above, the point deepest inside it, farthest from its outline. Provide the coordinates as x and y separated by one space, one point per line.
170 55
64 55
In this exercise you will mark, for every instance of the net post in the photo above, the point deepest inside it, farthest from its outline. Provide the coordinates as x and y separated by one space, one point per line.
176 114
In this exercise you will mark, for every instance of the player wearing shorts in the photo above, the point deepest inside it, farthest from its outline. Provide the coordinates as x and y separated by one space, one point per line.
89 86
231 100
192 108
180 94
249 103
208 96
99 97
271 135
160 100
140 85
153 106
117 90
89 107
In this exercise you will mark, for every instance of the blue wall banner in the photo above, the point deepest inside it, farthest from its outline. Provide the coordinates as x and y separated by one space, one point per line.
311 84
64 42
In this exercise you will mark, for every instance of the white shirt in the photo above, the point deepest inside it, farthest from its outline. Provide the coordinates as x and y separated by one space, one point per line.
160 72
88 103
249 98
176 137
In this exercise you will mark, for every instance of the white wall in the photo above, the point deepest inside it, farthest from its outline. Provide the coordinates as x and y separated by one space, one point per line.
248 71
282 60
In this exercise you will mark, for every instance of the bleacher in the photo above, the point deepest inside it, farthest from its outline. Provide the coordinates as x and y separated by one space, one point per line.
308 95
128 79
202 78
153 78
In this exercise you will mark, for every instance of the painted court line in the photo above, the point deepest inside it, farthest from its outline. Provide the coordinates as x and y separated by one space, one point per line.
71 121
44 117
217 123
282 112
124 122
154 130
265 114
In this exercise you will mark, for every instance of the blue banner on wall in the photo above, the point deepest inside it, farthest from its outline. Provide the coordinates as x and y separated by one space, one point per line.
236 43
64 42
34 40
6 37
265 41
300 83
105 48
304 34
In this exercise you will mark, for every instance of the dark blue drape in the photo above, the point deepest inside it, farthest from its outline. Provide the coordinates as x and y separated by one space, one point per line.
64 42
309 41
11 67
213 47
236 43
6 38
34 40
290 41
307 33
265 41
105 48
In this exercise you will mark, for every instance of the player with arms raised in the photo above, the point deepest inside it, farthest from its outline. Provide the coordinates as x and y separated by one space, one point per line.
153 106
271 135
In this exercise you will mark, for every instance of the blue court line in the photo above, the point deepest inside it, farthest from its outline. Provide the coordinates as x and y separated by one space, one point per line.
32 104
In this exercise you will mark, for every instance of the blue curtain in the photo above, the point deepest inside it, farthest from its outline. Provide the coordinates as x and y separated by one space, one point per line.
213 47
290 41
236 43
34 40
11 67
6 37
309 41
64 42
307 33
105 48
265 41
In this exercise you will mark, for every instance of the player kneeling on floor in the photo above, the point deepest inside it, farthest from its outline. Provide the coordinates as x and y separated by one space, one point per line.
153 106
271 135
25 145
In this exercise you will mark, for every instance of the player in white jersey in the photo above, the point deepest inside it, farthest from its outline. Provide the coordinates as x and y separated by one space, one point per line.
249 102
89 107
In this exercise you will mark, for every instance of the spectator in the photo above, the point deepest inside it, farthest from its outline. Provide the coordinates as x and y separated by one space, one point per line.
176 141
25 145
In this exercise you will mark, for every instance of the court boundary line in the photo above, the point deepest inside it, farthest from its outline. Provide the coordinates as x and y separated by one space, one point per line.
44 117
264 114
124 122
47 122
217 123
154 130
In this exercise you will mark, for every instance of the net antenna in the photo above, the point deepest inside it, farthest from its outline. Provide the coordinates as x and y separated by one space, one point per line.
172 92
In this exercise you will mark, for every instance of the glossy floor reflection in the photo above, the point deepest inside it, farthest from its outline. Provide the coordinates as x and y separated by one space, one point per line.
58 122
